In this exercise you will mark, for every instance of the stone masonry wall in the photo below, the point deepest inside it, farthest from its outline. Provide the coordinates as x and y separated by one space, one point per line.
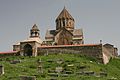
94 50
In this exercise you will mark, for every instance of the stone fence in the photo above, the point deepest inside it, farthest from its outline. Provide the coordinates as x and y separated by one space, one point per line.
93 50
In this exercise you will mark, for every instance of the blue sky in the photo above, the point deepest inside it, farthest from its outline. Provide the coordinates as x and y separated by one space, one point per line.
99 19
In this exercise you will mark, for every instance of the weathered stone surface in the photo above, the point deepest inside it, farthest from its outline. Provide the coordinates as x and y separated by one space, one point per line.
102 74
50 60
59 69
79 73
64 75
113 78
88 50
88 73
40 70
59 61
27 78
82 67
1 69
53 74
69 72
15 61
52 78
51 71
70 65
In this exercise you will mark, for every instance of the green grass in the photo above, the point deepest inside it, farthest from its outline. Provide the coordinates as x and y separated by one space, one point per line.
28 67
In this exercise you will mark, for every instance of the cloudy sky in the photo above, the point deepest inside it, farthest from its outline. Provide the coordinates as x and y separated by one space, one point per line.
99 19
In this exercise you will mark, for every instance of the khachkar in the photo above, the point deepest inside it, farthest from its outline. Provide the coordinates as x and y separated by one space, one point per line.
65 33
40 69
1 69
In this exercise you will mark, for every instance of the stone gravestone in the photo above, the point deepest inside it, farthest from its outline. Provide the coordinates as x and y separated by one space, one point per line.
15 61
40 70
1 69
27 78
103 74
60 61
59 69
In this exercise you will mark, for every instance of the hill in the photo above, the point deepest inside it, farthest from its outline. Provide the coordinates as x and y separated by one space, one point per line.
59 67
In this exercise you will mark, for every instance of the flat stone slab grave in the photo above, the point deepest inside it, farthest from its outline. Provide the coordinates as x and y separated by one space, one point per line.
27 78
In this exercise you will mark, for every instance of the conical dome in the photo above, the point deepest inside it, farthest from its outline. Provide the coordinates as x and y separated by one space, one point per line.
64 14
35 27
65 20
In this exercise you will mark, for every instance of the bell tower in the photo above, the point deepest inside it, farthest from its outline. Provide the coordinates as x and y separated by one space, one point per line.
34 32
65 20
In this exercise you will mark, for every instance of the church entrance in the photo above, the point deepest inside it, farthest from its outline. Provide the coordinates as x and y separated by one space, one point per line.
28 50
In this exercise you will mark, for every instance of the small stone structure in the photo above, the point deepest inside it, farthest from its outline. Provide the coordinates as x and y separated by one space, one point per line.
1 69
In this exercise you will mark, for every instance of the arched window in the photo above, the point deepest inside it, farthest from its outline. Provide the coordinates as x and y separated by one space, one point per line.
63 22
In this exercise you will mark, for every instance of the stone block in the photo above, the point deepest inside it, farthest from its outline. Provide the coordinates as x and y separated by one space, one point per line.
53 74
59 69
89 73
52 78
64 75
50 60
69 72
1 69
79 73
51 71
15 61
82 67
113 78
27 78
103 74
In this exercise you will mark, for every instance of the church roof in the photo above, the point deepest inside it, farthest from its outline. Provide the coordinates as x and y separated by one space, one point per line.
64 14
50 33
77 32
18 43
10 52
37 39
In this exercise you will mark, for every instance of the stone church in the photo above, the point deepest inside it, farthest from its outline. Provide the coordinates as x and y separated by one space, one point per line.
64 39
65 33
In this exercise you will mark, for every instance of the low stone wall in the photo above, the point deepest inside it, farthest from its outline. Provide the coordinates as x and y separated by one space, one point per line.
94 50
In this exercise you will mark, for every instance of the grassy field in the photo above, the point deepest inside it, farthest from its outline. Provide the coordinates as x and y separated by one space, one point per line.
74 67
